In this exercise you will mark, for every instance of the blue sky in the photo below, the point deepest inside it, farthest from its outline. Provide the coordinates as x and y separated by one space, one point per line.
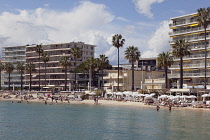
143 23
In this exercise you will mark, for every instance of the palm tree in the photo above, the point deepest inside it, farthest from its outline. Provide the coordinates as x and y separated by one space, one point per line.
1 68
90 64
39 50
103 63
165 60
9 67
21 68
30 67
118 42
65 63
203 18
180 50
45 58
76 53
132 54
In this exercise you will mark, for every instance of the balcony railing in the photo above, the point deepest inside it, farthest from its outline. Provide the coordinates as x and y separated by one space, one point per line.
182 23
189 75
198 56
191 39
191 30
114 84
200 65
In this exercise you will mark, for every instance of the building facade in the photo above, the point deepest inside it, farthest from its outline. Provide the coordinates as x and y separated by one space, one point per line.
186 27
55 76
14 55
145 71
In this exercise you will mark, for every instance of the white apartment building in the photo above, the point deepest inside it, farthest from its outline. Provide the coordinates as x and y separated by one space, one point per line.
186 27
13 54
54 72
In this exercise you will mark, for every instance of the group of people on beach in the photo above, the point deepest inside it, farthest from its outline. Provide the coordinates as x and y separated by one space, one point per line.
169 107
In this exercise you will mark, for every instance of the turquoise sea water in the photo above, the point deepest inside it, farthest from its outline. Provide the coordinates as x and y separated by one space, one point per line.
37 121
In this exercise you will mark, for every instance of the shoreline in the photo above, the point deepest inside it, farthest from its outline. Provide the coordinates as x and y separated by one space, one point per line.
104 103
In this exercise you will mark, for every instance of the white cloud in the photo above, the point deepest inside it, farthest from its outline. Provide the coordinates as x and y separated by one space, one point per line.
89 22
122 19
159 41
46 5
144 6
49 26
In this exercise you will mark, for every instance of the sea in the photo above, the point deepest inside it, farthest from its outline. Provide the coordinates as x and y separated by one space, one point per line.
37 121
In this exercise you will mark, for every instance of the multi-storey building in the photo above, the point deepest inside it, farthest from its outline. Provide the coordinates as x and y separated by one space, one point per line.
54 71
186 27
145 73
14 55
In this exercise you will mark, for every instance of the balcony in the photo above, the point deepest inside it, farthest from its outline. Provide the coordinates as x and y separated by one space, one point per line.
115 84
182 23
187 75
191 39
187 31
191 66
113 76
199 47
196 56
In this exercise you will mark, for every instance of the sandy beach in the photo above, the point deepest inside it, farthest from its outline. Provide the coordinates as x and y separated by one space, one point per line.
100 102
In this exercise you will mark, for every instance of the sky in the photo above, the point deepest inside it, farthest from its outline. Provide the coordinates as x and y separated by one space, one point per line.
142 23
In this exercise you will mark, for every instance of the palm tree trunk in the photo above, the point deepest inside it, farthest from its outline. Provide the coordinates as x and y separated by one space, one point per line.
21 77
102 78
166 77
45 74
39 71
118 80
30 81
9 82
181 73
0 79
205 79
132 76
65 78
75 79
90 78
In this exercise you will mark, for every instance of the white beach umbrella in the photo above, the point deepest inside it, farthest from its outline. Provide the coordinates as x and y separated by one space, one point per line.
92 93
152 94
163 96
109 93
191 97
205 95
119 93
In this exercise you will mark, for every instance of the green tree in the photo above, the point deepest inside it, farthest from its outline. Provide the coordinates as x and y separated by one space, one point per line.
1 68
76 53
118 41
203 18
65 63
179 50
45 58
30 67
21 68
132 54
165 60
103 63
9 67
39 50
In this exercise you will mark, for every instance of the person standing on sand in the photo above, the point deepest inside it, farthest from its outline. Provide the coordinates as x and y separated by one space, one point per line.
169 107
94 99
158 107
45 102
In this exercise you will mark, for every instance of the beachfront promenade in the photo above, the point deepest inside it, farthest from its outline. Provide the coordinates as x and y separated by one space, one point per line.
116 99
